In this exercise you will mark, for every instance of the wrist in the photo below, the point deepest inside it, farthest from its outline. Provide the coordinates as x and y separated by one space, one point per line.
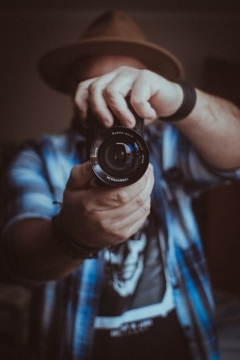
70 245
187 104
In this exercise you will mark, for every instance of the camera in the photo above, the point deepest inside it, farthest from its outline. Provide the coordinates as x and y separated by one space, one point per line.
118 155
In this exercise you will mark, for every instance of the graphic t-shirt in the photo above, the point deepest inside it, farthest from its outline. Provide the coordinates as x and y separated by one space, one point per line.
137 318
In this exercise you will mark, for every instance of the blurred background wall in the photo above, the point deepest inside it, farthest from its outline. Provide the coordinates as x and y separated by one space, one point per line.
193 31
204 34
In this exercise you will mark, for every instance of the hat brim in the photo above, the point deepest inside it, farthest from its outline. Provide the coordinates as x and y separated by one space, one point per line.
56 65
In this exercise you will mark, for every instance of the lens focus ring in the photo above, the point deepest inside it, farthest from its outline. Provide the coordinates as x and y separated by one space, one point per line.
119 156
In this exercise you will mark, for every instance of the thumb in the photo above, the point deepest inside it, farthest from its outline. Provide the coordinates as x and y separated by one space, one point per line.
80 176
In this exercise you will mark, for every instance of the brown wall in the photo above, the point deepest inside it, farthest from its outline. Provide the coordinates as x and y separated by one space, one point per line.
28 107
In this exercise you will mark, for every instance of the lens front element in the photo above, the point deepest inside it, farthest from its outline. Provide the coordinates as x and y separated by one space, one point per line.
119 156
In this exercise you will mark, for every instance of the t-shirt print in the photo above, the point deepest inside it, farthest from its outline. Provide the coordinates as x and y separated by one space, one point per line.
136 302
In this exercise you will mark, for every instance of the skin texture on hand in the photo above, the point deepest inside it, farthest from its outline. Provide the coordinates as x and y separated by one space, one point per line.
213 126
103 216
93 216
151 96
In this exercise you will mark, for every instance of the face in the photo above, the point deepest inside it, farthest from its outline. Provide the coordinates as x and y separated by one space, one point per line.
96 66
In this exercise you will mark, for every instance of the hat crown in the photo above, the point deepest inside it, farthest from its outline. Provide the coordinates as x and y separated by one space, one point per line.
113 33
114 24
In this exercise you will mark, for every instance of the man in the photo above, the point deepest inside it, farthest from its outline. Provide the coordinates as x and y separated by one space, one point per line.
103 293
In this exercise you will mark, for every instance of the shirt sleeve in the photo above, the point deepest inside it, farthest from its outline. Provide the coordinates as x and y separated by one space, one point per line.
33 187
28 192
183 165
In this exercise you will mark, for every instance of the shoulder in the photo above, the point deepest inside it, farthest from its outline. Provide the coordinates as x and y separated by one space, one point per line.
63 143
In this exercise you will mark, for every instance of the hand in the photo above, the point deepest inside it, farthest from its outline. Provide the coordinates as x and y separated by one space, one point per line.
151 96
104 216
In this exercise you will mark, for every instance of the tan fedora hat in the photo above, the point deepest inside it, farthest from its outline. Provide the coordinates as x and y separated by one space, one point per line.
113 33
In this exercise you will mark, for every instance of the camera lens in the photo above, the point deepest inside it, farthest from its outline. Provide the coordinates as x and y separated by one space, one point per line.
119 156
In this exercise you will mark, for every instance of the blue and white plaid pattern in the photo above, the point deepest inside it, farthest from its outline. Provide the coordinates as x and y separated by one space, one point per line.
37 178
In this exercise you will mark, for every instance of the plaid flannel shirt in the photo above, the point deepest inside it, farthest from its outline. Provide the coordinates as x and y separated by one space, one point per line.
67 308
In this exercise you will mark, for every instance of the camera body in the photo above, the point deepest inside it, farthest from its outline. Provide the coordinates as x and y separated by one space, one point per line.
118 155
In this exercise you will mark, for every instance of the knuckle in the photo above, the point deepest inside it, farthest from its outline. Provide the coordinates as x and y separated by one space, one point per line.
110 92
89 210
104 225
93 87
73 174
119 197
116 231
79 88
122 197
140 200
138 103
146 208
96 217
84 84
145 73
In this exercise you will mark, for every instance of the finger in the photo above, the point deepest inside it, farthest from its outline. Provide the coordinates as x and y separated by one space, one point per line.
140 201
137 221
97 101
107 198
143 187
81 101
123 228
143 196
115 94
119 107
80 176
141 95
110 91
128 215
143 107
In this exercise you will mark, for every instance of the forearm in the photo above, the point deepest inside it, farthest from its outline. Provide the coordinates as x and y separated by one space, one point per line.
214 128
36 255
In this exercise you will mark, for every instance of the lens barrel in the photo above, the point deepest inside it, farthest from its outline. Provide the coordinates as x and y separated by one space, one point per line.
119 156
